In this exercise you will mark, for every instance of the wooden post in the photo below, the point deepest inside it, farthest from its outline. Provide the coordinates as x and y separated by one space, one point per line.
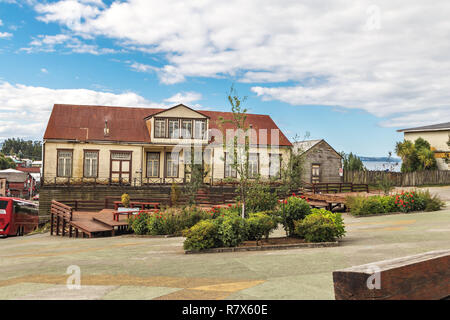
57 225
51 222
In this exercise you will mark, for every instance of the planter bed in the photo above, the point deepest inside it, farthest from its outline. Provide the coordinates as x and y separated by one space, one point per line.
386 214
151 236
270 244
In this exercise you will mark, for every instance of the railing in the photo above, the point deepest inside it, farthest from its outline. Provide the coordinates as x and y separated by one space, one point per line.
324 187
60 215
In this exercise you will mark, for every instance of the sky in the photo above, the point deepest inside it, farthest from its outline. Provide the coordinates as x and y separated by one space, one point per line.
350 72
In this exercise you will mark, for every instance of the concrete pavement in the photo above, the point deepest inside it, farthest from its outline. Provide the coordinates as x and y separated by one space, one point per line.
34 267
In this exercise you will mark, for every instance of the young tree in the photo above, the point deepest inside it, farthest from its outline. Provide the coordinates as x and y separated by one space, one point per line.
352 162
240 145
416 155
197 173
6 163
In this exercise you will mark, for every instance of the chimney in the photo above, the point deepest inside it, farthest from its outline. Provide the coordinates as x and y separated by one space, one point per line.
106 129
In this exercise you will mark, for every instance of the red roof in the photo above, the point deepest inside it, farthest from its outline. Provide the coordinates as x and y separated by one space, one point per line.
29 170
86 123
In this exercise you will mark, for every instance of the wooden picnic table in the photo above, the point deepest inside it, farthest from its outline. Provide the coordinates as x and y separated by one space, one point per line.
142 205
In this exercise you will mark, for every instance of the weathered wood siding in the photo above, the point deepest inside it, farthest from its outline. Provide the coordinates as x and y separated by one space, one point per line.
399 179
329 161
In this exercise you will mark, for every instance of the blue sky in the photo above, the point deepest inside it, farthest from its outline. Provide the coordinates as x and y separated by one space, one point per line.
351 74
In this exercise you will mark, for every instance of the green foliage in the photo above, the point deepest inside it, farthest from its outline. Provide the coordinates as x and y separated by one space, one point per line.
202 236
386 184
232 230
292 209
260 225
259 198
125 199
139 223
240 145
432 202
402 202
352 162
320 226
171 221
24 149
361 205
6 163
416 156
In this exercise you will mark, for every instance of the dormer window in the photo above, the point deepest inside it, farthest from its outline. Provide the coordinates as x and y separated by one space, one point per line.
174 131
200 129
160 128
186 129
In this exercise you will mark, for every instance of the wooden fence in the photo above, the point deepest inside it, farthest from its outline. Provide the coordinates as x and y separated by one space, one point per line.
399 179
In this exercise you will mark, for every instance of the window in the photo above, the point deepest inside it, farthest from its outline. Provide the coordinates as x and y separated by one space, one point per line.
152 164
171 165
274 165
160 128
174 131
64 163
121 166
253 165
315 173
90 164
200 129
230 171
186 129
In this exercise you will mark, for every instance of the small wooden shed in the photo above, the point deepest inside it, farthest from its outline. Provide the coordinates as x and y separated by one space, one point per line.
321 163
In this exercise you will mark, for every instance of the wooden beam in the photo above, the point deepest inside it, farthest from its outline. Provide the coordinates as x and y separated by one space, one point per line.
425 276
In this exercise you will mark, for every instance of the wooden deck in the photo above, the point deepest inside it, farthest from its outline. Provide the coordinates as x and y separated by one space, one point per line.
332 200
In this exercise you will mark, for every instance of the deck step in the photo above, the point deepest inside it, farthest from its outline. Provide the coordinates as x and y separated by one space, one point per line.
90 226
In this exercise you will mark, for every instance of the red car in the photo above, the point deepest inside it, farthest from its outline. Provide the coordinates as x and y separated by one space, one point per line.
17 216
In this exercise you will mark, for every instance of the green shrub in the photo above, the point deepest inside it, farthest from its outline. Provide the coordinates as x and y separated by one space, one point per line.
260 225
139 223
360 205
428 202
201 236
259 198
403 202
232 230
388 203
320 226
293 209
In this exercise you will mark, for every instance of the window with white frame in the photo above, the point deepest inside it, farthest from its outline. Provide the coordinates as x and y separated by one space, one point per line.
90 164
172 164
275 165
160 128
230 170
253 165
200 129
174 131
186 129
152 164
65 163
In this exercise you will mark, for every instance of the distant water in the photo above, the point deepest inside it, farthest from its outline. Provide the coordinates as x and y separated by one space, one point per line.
382 165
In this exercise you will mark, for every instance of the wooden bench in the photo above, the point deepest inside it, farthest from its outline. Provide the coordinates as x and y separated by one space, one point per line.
424 276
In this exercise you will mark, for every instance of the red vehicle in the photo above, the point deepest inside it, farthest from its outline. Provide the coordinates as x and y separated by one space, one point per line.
17 216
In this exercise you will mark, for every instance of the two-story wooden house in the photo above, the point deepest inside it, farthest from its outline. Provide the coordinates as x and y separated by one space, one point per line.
109 145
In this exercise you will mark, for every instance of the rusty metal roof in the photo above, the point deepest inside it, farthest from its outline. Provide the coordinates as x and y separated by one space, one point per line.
126 124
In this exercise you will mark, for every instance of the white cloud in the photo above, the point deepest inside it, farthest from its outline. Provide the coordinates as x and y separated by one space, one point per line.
24 110
184 97
5 35
43 70
1 22
389 59
48 43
